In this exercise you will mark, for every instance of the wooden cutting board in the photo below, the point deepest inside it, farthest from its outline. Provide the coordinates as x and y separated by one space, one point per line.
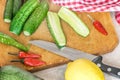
50 58
95 43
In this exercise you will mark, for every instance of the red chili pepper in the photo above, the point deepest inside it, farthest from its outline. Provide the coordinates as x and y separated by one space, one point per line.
33 62
98 26
30 62
22 54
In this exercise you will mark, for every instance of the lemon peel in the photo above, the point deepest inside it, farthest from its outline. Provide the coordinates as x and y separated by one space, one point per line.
83 69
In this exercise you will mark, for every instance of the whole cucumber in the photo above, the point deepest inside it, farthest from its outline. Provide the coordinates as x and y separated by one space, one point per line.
8 11
6 39
20 18
10 72
16 6
36 18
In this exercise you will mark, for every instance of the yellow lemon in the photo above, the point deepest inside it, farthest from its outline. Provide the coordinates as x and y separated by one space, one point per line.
83 69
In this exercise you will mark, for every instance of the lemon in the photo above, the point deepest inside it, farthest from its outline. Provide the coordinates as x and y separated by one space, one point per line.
83 69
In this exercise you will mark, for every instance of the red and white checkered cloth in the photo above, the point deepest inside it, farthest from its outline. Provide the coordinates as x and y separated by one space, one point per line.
90 5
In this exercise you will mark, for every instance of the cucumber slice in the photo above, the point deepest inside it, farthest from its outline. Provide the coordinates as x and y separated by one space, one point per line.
74 21
55 29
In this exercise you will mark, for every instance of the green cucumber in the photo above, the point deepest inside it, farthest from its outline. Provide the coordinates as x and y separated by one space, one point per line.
36 18
16 6
20 18
55 29
10 72
5 39
8 11
74 21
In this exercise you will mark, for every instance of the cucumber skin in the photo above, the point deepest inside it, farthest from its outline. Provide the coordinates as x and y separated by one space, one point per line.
10 72
52 33
36 18
5 39
16 6
8 10
20 18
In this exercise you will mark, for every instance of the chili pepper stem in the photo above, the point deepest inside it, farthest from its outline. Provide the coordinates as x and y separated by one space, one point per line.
30 62
12 53
90 18
23 55
21 60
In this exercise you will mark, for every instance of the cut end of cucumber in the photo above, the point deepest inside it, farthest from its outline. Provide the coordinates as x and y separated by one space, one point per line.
7 20
14 32
61 47
26 33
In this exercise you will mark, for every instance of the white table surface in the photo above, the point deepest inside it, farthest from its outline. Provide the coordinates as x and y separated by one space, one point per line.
112 58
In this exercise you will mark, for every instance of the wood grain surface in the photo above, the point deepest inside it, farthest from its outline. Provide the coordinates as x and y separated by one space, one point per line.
50 58
95 43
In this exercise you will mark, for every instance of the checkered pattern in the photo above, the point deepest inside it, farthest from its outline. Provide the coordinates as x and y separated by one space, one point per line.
90 5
